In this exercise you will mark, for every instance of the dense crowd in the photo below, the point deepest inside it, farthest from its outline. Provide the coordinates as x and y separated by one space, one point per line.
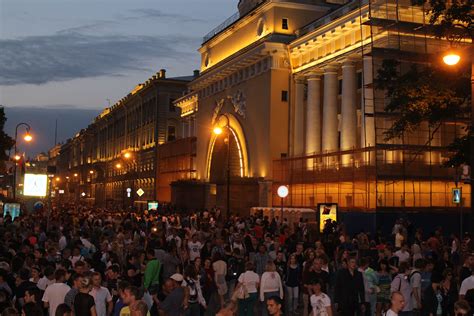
94 262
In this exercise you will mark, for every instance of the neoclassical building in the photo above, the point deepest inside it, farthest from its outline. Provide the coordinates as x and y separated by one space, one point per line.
291 85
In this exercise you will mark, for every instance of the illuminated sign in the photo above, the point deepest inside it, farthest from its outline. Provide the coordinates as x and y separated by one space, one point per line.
140 192
326 212
457 195
11 208
35 185
152 205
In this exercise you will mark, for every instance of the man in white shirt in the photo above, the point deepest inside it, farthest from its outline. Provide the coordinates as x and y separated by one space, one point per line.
320 302
101 295
397 304
194 247
47 279
466 285
55 293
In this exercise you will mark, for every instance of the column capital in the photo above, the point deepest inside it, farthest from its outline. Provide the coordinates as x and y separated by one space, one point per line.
331 69
300 79
315 75
349 62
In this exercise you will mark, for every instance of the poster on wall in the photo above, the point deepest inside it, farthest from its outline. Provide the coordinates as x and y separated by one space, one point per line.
326 211
35 185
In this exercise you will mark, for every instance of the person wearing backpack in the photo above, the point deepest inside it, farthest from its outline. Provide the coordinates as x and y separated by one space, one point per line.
401 284
415 282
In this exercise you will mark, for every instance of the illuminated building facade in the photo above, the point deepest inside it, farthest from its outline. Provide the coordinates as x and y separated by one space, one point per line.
116 155
291 84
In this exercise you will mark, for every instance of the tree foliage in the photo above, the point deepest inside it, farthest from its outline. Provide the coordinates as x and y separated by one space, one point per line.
422 93
6 142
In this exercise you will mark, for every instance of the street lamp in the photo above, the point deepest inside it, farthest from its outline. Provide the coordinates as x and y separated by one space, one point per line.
451 59
28 138
218 131
118 166
127 155
282 193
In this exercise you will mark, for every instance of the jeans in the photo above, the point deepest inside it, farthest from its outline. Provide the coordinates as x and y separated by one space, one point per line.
292 295
247 305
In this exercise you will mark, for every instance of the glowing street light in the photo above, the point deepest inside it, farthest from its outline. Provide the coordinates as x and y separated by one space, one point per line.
28 138
282 193
451 58
17 157
91 171
118 166
58 179
127 155
217 130
76 175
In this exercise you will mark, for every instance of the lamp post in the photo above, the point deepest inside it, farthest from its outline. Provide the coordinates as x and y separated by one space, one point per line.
218 131
28 138
282 193
452 58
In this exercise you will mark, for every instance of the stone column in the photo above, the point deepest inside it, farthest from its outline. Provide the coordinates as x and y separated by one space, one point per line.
313 117
348 110
330 135
298 137
367 109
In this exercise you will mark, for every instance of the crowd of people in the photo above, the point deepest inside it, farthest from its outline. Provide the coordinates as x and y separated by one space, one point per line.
85 261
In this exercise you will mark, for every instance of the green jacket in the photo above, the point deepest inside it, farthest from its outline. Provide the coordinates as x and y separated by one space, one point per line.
152 273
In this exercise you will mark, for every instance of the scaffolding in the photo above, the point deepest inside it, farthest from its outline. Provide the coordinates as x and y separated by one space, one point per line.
407 172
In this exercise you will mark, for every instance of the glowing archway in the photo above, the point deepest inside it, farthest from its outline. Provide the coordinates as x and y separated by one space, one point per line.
237 135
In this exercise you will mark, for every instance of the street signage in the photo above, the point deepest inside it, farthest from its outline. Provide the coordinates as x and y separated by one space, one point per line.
457 195
129 190
140 192
61 191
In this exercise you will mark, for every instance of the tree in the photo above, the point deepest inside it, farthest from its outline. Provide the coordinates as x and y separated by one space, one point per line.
6 142
427 92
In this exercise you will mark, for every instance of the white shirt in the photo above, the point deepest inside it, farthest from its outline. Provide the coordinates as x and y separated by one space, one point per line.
44 282
270 282
467 285
319 303
403 256
62 242
101 296
390 313
194 250
54 295
250 279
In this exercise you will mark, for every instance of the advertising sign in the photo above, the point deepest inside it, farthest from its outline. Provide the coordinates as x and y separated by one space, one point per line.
327 211
153 205
457 195
11 208
35 185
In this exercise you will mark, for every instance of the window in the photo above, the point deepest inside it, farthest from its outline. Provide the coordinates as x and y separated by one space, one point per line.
284 96
340 86
171 133
172 108
284 24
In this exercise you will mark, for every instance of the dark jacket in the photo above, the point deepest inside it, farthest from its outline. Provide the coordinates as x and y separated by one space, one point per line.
349 289
430 302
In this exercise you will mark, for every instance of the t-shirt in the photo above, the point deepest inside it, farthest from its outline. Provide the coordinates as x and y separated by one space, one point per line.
194 249
82 304
390 313
403 256
250 279
319 303
44 282
415 282
101 296
54 295
173 303
466 285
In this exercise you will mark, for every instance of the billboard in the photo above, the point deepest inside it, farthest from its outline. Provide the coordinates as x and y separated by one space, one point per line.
325 212
152 205
35 185
11 208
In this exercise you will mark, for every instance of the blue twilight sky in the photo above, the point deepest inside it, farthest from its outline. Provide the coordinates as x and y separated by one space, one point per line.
67 58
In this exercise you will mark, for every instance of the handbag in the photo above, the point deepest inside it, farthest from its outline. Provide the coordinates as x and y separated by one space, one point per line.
242 293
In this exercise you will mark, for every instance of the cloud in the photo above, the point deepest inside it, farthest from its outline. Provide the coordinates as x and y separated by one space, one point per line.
71 55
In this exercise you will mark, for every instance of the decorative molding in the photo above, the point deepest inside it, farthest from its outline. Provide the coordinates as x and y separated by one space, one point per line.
238 102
